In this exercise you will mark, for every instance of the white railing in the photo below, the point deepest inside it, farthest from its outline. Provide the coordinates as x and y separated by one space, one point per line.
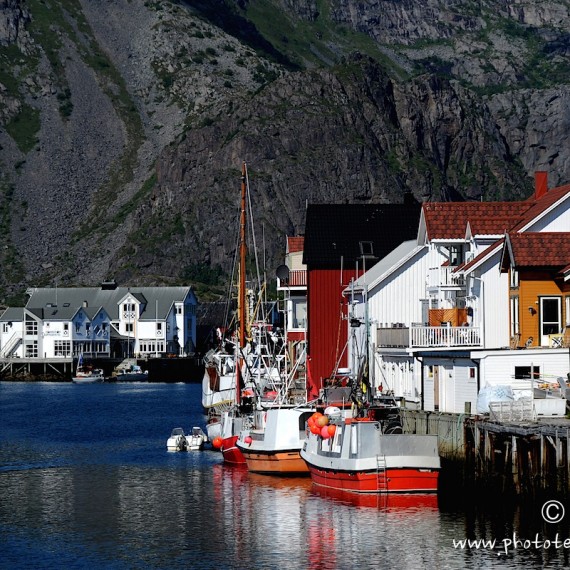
11 345
420 336
444 277
445 336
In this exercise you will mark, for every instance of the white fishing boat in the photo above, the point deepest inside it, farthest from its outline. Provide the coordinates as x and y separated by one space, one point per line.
87 373
132 374
179 441
370 453
363 448
274 445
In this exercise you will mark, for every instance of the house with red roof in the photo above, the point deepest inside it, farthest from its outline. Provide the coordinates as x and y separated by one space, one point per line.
539 294
439 310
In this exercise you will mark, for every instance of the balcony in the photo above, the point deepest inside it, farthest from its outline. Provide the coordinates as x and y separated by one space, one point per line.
444 277
419 336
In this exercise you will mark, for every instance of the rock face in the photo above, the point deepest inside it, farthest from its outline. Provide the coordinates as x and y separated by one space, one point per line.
123 125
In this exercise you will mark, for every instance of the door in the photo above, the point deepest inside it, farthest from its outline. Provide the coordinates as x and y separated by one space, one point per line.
550 318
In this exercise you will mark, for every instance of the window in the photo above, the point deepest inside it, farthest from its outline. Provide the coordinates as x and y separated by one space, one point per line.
523 372
298 313
129 327
178 309
455 255
31 328
151 346
5 327
567 310
514 278
62 348
515 327
31 349
77 327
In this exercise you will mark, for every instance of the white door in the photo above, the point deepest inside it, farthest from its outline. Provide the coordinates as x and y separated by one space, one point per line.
550 318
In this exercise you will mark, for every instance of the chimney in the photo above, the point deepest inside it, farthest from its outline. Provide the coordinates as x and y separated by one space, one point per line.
540 184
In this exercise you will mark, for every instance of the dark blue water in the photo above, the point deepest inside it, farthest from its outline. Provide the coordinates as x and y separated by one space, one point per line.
86 482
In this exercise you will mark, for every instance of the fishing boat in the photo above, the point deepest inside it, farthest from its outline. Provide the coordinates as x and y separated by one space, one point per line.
370 453
87 373
359 445
179 441
272 444
245 368
273 447
131 373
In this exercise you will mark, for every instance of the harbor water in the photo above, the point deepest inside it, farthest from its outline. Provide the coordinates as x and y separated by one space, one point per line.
86 482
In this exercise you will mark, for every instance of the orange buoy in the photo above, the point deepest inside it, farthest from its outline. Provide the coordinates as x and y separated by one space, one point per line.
217 442
325 432
322 421
315 429
331 429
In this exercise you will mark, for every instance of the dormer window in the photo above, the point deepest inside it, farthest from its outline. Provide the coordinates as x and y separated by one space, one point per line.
455 255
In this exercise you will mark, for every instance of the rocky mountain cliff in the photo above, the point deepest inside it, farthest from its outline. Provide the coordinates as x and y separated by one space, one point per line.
123 124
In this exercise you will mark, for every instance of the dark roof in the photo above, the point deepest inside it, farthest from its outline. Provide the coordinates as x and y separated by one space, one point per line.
334 232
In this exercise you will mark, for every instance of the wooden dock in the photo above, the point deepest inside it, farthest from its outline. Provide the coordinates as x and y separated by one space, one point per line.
527 459
187 369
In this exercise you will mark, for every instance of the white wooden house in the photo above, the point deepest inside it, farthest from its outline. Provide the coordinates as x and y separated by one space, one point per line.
101 322
437 309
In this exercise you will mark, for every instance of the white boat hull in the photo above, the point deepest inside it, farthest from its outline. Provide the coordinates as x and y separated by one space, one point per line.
93 379
178 441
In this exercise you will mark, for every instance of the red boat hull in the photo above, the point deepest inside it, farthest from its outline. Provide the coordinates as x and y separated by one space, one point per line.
230 451
389 481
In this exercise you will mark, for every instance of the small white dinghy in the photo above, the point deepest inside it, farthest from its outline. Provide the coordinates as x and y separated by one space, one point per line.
194 441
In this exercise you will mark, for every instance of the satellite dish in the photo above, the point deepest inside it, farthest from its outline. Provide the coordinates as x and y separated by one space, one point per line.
282 272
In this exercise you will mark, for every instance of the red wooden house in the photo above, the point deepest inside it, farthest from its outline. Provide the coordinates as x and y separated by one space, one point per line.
341 242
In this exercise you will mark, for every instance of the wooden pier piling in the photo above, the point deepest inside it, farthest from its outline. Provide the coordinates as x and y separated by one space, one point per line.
522 459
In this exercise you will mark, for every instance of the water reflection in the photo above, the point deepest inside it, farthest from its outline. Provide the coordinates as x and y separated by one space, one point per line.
383 501
111 497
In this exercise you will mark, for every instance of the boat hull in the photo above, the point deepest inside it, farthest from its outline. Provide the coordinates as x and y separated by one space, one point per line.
274 446
232 454
384 481
361 458
276 463
88 380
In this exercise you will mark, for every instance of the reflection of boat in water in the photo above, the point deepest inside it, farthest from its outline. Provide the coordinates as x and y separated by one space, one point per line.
292 484
384 501
179 441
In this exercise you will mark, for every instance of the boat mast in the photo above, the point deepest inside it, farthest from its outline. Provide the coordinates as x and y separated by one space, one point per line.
241 290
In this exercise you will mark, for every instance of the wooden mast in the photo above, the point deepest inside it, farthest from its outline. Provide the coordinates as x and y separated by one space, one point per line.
241 290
